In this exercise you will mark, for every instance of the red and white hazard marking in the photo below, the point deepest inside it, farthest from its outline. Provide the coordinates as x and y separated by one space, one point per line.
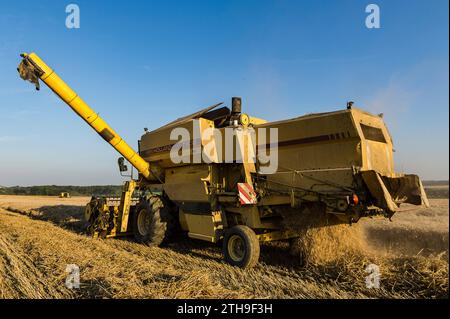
247 194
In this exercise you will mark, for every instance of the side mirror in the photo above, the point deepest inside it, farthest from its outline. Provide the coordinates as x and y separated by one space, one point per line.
122 166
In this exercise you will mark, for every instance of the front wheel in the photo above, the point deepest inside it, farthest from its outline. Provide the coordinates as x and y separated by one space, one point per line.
241 247
153 222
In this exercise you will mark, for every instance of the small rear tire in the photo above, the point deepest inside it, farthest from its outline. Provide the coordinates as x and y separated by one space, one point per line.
241 247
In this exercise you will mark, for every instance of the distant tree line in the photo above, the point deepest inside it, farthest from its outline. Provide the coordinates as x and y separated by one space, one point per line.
55 190
435 183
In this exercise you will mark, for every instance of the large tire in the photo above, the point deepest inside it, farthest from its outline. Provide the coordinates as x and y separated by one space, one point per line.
241 247
153 221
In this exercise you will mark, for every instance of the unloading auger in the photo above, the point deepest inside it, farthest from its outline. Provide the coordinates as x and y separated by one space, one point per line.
33 69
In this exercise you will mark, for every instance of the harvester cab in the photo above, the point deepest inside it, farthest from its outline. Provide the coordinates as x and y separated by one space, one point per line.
222 175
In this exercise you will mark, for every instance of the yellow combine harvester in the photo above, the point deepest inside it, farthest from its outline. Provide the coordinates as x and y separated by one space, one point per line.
340 162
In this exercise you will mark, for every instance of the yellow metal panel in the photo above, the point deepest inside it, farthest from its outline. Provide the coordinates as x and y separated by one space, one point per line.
201 227
188 183
256 121
124 212
379 190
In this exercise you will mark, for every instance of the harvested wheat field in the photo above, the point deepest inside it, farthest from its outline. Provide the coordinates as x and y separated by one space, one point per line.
40 236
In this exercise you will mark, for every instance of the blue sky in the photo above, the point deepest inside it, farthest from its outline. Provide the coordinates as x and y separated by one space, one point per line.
144 63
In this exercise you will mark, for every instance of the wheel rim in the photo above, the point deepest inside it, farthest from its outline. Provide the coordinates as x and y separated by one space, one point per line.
236 248
143 223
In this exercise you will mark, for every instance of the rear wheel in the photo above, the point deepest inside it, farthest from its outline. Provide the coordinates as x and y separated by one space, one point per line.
241 247
153 221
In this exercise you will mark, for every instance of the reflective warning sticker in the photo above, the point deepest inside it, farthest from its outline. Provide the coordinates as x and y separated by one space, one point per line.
247 194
